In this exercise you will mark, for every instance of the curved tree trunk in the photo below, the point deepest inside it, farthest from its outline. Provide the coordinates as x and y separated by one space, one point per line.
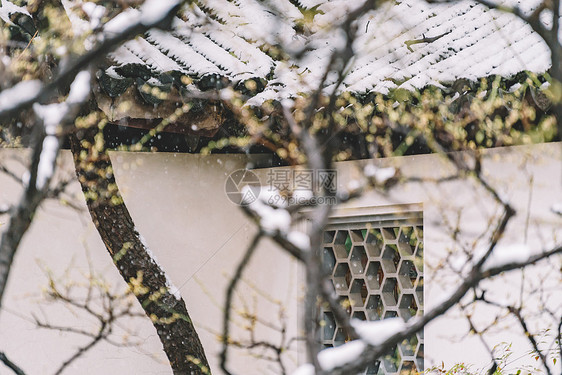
132 258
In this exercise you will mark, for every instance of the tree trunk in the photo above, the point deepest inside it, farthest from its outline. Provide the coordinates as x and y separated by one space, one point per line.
132 258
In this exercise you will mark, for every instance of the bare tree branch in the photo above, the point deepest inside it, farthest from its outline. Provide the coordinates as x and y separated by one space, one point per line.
133 259
102 333
11 365
37 187
10 173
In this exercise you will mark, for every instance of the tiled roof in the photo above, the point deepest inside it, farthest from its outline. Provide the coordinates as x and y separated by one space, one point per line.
234 42
222 41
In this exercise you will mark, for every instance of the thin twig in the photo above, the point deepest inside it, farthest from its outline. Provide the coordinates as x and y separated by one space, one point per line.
10 174
411 42
517 313
228 302
494 366
82 350
28 44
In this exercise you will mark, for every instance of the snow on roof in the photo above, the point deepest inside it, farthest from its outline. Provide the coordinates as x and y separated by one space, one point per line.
235 41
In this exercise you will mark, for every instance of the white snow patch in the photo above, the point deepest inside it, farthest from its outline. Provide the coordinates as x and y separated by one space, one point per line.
169 284
332 358
52 115
46 166
272 220
515 87
79 25
273 197
299 239
155 10
557 208
302 195
306 369
95 12
112 73
377 332
25 178
21 92
61 51
171 287
380 175
80 88
502 255
354 185
122 21
226 94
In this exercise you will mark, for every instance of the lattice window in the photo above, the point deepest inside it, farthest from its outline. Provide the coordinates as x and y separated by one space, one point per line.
376 266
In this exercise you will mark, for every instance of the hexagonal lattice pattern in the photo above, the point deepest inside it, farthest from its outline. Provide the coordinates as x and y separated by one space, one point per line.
377 271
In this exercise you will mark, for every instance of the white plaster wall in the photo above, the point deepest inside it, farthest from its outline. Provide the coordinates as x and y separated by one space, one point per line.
178 204
199 236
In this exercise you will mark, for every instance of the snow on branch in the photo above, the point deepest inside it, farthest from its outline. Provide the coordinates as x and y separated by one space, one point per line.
52 115
154 13
379 175
556 209
276 221
80 88
24 91
376 337
377 332
332 358
502 255
170 286
371 334
272 219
